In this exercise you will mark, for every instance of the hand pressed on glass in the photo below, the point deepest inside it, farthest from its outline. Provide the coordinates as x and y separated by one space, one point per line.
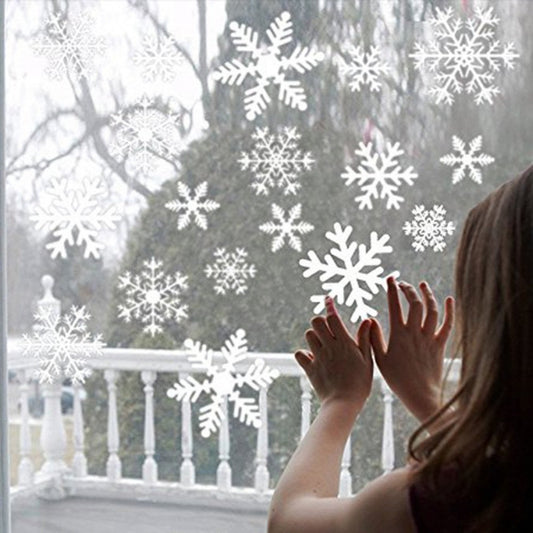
339 366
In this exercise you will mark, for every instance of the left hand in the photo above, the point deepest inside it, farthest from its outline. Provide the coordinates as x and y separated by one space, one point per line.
338 366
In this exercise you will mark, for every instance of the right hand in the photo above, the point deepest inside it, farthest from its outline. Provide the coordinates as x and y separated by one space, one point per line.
412 362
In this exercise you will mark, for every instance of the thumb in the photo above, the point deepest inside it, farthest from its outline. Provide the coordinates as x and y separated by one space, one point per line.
377 341
303 360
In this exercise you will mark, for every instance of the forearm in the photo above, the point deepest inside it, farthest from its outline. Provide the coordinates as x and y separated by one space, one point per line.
314 468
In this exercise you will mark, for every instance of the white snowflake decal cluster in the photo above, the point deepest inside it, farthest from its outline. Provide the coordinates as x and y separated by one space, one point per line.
75 215
230 271
464 56
286 227
153 297
268 66
70 47
223 382
192 205
428 228
158 59
62 345
363 68
145 134
379 175
349 271
467 159
276 160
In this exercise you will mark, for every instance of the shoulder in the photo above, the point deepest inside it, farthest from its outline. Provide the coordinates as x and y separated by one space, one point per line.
382 505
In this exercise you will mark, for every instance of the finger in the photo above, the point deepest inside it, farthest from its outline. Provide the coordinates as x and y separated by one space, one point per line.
303 360
449 314
321 328
432 311
363 339
416 307
314 342
377 341
335 322
395 308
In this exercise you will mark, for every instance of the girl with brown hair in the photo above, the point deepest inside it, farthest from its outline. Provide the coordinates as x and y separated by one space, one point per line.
472 472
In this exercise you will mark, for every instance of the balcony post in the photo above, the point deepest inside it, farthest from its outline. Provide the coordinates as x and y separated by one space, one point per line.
345 484
25 468
224 469
114 466
262 476
79 462
306 405
187 474
387 449
149 466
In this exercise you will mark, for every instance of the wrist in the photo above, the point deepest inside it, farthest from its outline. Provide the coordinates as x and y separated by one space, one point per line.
344 405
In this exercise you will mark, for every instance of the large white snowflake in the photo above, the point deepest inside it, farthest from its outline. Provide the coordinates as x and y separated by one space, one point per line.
276 160
223 382
145 134
75 215
467 159
230 271
428 228
347 263
69 46
363 68
379 171
464 56
268 66
62 345
286 226
192 205
153 297
158 59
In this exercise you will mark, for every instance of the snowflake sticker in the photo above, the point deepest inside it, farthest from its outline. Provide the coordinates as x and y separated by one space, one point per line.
75 215
62 345
379 175
158 59
69 46
467 159
464 56
223 382
349 271
230 271
267 66
363 68
145 134
286 227
276 160
429 228
152 297
192 205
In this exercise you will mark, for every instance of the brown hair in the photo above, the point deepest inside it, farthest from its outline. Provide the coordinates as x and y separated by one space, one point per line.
494 396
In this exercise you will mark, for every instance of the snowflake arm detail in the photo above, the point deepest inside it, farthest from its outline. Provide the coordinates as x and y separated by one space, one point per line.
158 59
363 68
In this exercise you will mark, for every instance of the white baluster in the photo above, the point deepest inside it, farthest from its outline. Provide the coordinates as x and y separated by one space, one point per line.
262 476
306 405
387 450
79 462
187 474
150 466
224 469
114 466
25 468
345 484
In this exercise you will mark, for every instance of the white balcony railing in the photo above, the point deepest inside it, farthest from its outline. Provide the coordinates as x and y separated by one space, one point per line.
55 479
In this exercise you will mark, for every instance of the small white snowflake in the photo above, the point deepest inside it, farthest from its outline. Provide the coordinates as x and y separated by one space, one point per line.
467 159
363 68
224 382
62 345
349 271
192 205
158 59
145 134
379 171
428 228
465 55
268 66
286 227
230 271
153 297
69 46
276 160
75 215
